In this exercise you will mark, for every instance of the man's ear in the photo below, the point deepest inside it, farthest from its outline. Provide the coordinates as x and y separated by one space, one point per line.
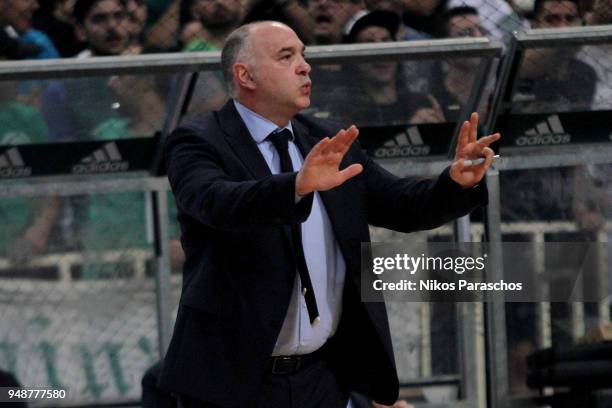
79 31
244 76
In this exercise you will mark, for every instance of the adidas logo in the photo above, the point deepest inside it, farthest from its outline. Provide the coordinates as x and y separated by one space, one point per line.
550 132
12 165
104 160
405 144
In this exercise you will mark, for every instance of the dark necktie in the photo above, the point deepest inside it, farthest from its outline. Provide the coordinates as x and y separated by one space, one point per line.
280 140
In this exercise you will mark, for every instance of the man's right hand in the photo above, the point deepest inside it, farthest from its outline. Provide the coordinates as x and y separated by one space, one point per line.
320 171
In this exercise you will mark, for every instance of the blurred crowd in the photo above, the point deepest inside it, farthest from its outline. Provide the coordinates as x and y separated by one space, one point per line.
385 92
80 28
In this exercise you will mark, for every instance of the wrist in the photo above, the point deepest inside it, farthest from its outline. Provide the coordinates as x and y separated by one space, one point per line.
300 189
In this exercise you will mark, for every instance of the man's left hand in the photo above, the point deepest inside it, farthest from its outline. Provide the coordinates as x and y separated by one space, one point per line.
468 147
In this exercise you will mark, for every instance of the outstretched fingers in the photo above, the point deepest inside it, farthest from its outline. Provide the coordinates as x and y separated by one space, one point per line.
463 138
487 140
320 148
349 172
473 135
344 139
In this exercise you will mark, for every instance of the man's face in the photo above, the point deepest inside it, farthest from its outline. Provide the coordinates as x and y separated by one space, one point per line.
555 14
279 71
105 28
465 25
18 13
218 14
382 72
330 17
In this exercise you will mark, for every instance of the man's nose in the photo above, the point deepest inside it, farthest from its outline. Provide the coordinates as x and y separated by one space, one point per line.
303 67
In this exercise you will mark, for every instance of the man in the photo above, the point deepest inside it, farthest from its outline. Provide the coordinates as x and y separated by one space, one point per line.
136 17
454 79
333 19
553 79
58 24
217 19
247 333
377 92
26 223
500 21
102 25
16 21
74 107
404 32
381 96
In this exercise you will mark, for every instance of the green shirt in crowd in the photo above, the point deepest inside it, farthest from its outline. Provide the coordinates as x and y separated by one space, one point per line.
19 124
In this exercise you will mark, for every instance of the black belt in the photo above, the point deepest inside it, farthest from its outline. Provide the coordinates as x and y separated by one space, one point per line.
283 365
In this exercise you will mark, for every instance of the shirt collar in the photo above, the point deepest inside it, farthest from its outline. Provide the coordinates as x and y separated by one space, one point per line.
258 126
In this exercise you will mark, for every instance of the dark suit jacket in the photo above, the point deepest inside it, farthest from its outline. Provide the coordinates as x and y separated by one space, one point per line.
235 220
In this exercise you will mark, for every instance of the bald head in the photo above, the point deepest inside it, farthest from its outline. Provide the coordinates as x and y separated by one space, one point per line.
239 48
265 69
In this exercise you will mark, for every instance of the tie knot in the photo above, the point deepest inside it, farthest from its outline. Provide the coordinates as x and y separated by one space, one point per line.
280 140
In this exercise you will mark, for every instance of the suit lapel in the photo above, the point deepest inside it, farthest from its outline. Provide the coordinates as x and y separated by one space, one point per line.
239 138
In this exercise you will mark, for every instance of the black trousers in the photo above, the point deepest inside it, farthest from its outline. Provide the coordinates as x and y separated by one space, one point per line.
313 386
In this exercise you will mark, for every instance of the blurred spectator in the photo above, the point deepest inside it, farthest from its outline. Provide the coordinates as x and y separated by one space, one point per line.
214 20
12 49
453 80
21 124
416 73
330 21
553 79
333 18
26 223
291 12
16 22
422 14
592 204
599 57
74 107
404 32
182 21
497 17
382 95
118 221
376 91
58 24
601 13
163 33
141 107
101 24
136 18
